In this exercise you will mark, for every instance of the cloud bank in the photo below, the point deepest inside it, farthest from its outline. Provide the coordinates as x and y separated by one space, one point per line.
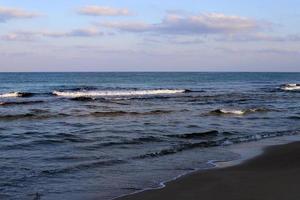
84 32
15 13
32 35
207 23
103 11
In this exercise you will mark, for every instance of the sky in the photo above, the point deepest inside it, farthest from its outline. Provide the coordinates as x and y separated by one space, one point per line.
149 35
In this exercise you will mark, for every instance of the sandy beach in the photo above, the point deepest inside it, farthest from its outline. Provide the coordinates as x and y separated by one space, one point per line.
273 175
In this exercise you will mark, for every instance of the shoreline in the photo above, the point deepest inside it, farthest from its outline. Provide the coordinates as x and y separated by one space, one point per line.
248 152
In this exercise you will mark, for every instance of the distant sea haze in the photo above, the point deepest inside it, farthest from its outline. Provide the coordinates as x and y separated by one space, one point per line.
87 135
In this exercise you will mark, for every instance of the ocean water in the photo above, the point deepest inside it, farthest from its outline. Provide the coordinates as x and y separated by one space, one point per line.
102 135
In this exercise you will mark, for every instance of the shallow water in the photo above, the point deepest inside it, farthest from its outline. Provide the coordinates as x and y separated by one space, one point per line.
101 135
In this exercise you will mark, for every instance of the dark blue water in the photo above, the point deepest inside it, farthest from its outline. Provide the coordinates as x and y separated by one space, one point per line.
101 135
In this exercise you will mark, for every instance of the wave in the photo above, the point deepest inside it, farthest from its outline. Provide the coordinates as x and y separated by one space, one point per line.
83 99
79 88
16 94
178 148
112 93
212 133
134 141
291 87
144 98
294 117
69 137
237 111
18 116
41 114
83 166
122 113
20 103
207 144
31 144
57 139
31 116
157 112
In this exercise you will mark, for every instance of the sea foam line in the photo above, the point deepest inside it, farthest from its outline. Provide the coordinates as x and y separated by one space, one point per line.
238 111
117 93
291 87
16 94
11 94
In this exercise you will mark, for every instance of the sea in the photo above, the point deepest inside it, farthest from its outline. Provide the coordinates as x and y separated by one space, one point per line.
103 135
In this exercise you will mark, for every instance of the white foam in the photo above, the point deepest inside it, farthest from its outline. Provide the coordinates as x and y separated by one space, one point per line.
10 95
234 112
117 93
240 112
291 87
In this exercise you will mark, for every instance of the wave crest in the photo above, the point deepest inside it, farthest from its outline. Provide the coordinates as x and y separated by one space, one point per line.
15 94
111 93
291 87
237 111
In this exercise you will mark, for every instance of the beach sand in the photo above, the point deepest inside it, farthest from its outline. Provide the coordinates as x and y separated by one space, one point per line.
273 175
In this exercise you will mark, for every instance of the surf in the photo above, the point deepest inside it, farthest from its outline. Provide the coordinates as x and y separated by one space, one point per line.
238 111
15 94
291 87
111 93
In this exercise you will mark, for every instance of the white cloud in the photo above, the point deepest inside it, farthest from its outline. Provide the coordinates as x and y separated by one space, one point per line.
88 32
15 13
31 35
208 23
18 36
103 11
129 26
260 51
255 37
220 28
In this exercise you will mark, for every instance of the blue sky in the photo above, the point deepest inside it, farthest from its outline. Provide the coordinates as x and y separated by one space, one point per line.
149 35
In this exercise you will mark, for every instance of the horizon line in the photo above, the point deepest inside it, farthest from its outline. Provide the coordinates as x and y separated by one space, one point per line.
149 71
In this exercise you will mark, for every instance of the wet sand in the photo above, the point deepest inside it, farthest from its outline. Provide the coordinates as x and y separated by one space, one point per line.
274 175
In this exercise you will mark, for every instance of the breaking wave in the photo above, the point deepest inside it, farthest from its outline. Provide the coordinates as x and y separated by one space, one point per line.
291 87
237 111
112 93
16 94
